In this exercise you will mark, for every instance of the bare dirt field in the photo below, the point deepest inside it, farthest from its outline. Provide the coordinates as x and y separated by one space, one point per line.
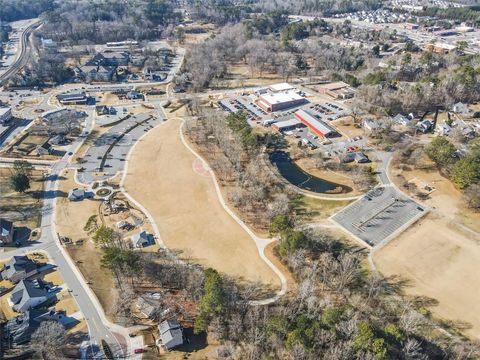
439 256
186 209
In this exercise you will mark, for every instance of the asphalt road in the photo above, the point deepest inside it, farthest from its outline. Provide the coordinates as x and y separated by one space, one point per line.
48 242
116 155
24 53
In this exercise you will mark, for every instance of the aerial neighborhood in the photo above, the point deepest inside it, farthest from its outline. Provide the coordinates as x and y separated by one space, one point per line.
239 180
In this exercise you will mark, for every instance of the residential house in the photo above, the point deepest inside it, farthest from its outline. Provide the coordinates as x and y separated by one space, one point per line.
141 239
6 231
49 45
171 334
111 58
95 72
132 95
462 109
444 129
425 126
105 110
402 120
28 294
361 158
19 268
148 307
20 329
370 124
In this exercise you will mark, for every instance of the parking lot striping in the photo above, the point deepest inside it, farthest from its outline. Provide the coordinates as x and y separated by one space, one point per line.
371 221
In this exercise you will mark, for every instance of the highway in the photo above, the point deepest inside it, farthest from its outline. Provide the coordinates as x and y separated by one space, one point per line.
24 55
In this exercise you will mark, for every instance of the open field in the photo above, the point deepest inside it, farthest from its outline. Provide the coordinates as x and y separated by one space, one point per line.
23 209
439 262
186 209
317 210
346 127
440 254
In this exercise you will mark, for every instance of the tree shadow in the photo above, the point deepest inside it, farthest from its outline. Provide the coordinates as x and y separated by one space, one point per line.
54 177
21 234
50 194
193 342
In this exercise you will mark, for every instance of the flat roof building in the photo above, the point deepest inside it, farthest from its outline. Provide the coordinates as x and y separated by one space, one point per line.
440 48
281 87
317 126
73 98
287 125
337 90
280 100
5 114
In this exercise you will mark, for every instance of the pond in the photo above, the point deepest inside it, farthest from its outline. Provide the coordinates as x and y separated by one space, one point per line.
296 176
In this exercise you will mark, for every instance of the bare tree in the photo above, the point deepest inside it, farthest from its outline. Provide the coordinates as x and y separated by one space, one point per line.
49 340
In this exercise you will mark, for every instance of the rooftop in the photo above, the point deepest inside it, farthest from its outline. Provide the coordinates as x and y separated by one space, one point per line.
281 97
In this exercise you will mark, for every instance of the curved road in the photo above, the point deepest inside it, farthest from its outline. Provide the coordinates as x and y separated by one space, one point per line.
24 55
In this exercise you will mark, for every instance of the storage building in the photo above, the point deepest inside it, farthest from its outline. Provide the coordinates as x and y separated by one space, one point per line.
315 125
287 125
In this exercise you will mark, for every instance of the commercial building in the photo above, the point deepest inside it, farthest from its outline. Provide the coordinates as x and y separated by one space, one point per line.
5 114
281 87
287 125
278 101
337 90
73 98
315 125
440 48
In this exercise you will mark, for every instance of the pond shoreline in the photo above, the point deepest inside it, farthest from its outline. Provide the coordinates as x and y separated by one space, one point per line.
296 176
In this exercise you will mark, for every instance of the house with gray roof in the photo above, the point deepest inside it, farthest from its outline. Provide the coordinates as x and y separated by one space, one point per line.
19 268
141 239
20 329
28 294
6 231
171 334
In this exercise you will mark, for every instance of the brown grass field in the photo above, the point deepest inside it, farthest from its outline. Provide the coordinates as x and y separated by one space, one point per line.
23 209
71 217
186 209
439 256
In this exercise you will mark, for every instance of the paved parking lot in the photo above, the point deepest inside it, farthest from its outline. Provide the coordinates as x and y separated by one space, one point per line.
382 213
92 169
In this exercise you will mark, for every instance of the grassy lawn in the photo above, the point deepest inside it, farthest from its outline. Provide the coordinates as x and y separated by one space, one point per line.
312 209
24 209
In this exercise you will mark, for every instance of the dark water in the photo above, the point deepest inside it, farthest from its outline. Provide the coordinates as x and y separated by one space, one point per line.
296 176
